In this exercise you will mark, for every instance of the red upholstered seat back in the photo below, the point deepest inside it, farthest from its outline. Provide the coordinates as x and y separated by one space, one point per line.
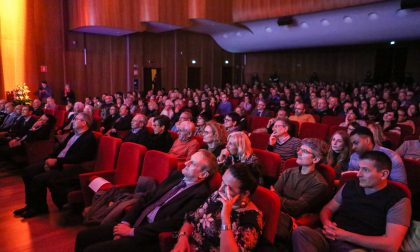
259 140
158 165
106 158
289 163
60 116
394 138
130 161
215 181
332 120
259 122
269 203
270 163
314 130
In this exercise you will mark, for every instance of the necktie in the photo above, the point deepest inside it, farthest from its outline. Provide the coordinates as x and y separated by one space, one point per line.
159 202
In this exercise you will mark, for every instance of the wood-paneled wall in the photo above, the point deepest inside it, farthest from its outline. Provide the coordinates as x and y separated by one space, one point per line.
109 13
247 10
346 63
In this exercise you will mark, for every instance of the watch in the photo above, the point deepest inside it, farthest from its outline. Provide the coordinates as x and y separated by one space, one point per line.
182 233
224 227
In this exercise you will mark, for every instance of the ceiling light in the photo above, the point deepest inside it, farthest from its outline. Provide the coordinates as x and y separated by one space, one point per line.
225 35
193 62
238 34
226 62
268 29
325 22
392 42
402 13
373 16
304 25
347 20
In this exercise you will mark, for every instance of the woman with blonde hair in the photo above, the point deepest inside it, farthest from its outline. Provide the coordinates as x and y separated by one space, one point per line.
238 150
339 152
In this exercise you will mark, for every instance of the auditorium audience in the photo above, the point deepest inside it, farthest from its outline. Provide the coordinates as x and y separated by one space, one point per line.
228 220
79 146
302 189
362 141
181 193
366 214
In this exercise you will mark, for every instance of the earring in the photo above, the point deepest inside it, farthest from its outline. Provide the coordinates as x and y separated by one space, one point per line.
243 204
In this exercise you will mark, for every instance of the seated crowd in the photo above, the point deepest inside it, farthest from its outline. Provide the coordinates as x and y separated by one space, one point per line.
209 132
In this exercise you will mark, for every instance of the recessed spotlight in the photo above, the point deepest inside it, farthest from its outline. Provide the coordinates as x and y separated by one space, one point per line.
225 35
268 29
402 13
347 20
325 22
193 62
304 25
226 62
392 42
238 34
373 16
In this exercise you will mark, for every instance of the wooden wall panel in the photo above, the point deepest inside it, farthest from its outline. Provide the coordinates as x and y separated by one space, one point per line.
118 71
217 10
75 68
346 63
247 10
44 46
174 12
110 13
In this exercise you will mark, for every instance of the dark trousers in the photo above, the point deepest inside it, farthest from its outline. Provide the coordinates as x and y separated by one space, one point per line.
100 239
37 180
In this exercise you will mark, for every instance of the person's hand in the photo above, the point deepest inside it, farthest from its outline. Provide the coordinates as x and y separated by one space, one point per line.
330 230
51 162
101 129
228 202
59 132
122 229
270 122
272 189
14 143
273 139
223 155
182 245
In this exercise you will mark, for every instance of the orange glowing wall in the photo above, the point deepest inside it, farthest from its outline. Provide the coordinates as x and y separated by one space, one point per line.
12 44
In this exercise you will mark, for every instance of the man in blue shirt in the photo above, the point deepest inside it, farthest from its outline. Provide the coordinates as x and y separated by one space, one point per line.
362 140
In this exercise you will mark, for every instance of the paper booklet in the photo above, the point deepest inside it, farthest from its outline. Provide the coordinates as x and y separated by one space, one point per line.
97 183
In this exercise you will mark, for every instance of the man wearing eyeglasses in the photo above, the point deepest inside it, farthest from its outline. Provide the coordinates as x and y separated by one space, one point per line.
281 142
302 189
79 146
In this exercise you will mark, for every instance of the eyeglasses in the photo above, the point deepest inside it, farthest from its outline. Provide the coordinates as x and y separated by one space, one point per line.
305 151
228 120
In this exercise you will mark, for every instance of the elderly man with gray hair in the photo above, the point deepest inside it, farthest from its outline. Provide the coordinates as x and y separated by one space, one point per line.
303 189
185 145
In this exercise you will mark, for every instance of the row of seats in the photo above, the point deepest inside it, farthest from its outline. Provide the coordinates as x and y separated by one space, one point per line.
122 163
324 132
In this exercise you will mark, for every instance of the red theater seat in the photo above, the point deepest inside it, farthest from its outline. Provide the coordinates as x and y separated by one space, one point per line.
313 130
259 140
271 165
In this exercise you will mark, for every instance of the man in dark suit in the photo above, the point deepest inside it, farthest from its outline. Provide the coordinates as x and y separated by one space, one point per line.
23 123
164 211
122 123
138 133
79 146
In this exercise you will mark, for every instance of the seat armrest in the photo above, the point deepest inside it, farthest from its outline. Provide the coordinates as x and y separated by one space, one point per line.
85 180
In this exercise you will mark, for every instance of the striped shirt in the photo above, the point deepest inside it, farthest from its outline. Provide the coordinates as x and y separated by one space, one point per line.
287 149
